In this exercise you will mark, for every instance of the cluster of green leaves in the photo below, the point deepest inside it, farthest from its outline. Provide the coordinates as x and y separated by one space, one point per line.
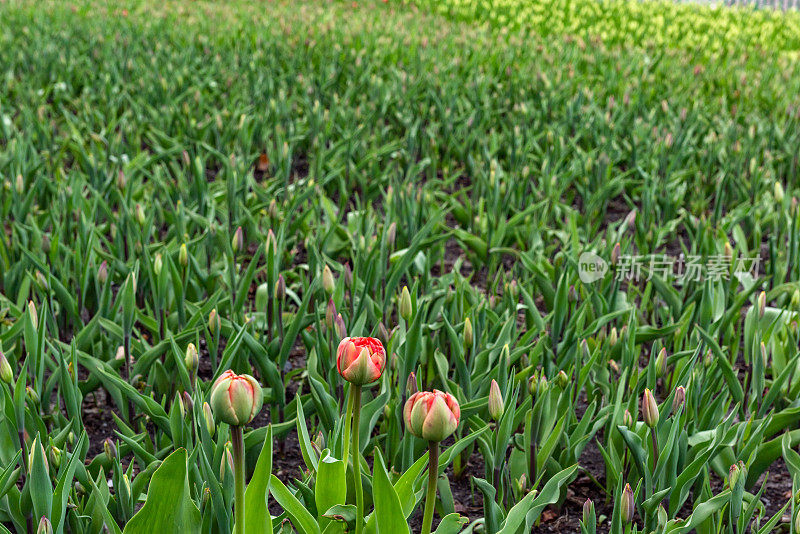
396 148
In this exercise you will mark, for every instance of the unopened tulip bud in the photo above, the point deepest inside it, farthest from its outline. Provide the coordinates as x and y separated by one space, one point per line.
778 193
360 360
319 441
121 180
762 304
468 334
226 464
572 295
280 288
271 244
110 449
588 512
32 314
348 276
55 456
585 353
19 185
734 473
183 255
6 374
383 334
237 242
496 404
612 337
338 325
32 395
627 504
627 419
616 252
661 362
192 359
649 409
330 314
188 401
208 417
431 415
391 234
138 212
102 272
562 380
679 399
45 527
214 322
328 283
411 384
405 304
236 399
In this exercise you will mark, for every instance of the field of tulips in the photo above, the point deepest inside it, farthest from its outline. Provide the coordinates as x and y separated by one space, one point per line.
387 267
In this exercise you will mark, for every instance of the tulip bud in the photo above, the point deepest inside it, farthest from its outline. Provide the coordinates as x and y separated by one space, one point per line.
191 360
661 362
19 185
588 512
762 304
183 255
32 395
110 449
209 419
121 180
411 384
360 360
649 409
338 325
138 213
778 193
431 416
6 374
383 334
679 399
348 276
236 399
562 380
734 473
405 304
391 234
612 337
328 283
616 252
627 504
627 419
45 527
55 456
102 272
496 404
34 317
330 314
280 288
237 242
572 295
468 339
764 356
226 464
214 322
188 401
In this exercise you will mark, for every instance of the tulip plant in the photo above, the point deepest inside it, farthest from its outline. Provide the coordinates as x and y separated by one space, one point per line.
386 267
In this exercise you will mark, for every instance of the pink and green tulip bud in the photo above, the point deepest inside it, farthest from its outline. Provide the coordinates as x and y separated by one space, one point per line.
612 337
411 384
192 359
468 334
348 276
227 462
280 288
627 504
733 475
661 362
679 399
328 283
158 264
496 404
404 308
237 241
32 395
45 527
6 374
649 409
208 416
271 243
585 353
214 322
319 442
762 303
616 252
431 415
110 449
179 401
627 419
330 314
236 399
764 355
360 360
188 401
572 295
391 234
138 213
41 281
588 511
562 380
183 255
338 325
102 273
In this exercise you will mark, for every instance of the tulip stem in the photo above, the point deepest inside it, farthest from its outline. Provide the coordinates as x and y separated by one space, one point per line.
355 396
237 440
433 475
347 421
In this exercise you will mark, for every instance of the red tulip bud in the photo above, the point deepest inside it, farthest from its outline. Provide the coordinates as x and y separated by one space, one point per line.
236 399
431 416
360 360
